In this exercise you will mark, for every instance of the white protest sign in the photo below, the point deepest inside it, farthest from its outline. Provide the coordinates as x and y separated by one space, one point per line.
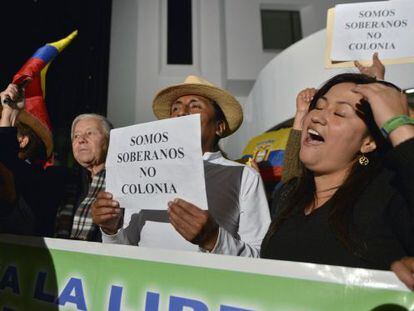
360 29
152 163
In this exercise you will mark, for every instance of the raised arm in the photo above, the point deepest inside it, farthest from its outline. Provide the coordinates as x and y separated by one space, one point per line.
376 70
291 162
12 101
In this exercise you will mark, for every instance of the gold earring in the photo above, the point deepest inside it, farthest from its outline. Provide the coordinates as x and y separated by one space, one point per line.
363 160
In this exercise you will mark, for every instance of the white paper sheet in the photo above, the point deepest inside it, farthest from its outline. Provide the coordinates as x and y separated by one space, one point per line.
360 29
152 163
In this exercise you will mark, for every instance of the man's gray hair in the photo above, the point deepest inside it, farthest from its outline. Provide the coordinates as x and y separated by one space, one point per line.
105 123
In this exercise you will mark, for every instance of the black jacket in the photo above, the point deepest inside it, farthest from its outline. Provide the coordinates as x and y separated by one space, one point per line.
382 222
38 191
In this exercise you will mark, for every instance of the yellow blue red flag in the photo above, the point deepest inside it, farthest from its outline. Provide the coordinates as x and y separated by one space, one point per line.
34 72
268 150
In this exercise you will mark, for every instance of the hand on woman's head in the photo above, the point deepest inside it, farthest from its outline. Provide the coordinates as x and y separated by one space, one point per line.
386 101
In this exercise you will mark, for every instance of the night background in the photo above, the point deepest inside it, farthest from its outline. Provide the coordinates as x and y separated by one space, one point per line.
77 80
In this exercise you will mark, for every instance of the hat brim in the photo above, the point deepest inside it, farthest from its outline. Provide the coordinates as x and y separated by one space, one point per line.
228 103
37 126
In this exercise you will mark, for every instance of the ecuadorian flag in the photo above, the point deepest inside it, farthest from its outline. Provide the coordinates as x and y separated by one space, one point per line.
268 150
35 70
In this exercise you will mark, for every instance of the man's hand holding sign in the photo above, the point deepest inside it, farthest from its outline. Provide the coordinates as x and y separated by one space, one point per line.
194 224
106 213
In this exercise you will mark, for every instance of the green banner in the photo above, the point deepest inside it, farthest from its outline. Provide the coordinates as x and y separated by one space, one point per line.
51 274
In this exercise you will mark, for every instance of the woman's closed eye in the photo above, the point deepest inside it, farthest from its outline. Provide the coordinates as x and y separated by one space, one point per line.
344 110
340 114
320 105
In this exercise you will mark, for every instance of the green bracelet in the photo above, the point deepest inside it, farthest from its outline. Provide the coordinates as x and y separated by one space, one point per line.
394 123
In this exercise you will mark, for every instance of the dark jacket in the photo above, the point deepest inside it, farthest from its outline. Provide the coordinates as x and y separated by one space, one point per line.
38 191
382 222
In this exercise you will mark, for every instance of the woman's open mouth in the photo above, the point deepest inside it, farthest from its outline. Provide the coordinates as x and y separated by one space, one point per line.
313 137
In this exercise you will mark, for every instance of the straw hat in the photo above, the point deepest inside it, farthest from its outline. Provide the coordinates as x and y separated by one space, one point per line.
194 85
34 122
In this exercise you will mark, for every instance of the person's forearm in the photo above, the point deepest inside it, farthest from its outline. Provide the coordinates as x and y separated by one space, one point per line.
298 121
119 237
291 163
401 134
8 117
227 244
401 161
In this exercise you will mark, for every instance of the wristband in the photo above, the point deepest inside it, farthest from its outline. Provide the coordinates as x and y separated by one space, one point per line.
394 123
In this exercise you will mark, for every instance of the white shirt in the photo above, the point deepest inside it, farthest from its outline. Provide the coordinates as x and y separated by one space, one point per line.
236 200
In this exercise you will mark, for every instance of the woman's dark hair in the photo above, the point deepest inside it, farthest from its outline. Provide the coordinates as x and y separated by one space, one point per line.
303 194
35 150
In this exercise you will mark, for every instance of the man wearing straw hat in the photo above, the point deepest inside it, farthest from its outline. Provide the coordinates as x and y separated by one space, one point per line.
237 217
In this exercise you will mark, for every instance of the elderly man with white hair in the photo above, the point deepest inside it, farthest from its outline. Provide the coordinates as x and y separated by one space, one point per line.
90 140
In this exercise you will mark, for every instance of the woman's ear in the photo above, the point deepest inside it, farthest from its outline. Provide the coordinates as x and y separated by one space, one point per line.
368 145
220 128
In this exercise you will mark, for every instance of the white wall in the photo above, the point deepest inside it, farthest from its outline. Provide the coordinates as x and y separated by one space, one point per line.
123 64
245 56
272 99
227 49
138 66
